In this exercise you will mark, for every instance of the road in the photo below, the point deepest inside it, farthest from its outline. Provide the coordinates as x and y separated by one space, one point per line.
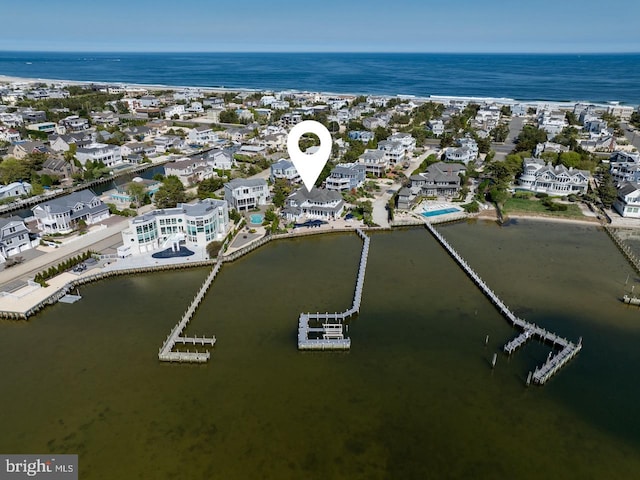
504 149
631 134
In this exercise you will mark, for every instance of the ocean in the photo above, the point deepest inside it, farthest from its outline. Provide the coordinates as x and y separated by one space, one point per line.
566 77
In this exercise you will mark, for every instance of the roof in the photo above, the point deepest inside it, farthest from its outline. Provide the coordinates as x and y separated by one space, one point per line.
627 188
316 195
282 164
246 182
67 202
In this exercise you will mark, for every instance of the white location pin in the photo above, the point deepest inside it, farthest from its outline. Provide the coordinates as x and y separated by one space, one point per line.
308 165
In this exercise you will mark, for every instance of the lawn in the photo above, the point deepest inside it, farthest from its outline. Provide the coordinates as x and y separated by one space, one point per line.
535 207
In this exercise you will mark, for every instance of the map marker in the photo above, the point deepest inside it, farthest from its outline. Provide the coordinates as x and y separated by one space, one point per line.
308 165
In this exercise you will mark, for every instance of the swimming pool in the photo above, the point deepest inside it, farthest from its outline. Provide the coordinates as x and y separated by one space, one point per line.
443 211
256 218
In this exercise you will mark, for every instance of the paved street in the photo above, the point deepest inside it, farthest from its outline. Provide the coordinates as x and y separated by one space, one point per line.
504 149
631 134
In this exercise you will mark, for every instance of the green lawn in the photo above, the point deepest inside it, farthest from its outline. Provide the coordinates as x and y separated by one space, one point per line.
534 206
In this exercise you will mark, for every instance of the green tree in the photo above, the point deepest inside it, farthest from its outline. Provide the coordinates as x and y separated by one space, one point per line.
229 116
529 138
170 193
281 190
208 187
13 170
137 191
570 159
607 190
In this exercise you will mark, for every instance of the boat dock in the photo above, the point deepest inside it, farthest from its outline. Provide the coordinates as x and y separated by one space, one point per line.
554 363
331 335
166 353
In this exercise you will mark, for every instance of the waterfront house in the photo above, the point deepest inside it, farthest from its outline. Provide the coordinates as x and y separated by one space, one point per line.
246 193
627 201
191 225
374 161
121 194
404 198
15 189
438 180
62 214
190 170
553 180
14 237
284 169
318 204
110 155
346 176
166 142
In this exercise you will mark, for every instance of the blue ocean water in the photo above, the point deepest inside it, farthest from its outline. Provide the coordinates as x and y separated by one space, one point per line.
572 77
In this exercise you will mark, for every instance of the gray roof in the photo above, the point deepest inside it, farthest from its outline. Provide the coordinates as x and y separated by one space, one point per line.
198 209
282 164
316 195
67 202
627 188
246 182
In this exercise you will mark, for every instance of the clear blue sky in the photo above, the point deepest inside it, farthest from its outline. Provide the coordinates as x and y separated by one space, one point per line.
322 25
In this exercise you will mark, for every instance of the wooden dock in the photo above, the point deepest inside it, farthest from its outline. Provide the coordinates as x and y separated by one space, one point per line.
554 363
166 353
333 323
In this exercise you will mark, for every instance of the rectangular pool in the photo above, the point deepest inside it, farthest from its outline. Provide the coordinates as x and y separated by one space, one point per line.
442 211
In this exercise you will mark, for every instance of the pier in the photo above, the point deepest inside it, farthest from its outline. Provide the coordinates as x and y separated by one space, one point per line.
166 353
554 363
331 335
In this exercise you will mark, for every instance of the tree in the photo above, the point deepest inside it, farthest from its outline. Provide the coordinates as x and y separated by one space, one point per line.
229 116
13 170
570 159
170 193
281 190
137 191
209 186
529 138
607 190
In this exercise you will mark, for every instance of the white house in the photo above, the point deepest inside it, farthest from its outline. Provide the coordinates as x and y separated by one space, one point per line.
394 152
246 193
317 204
406 140
192 225
436 127
285 169
220 160
15 189
190 170
627 202
202 135
554 180
624 167
62 214
172 110
14 237
346 176
374 161
110 155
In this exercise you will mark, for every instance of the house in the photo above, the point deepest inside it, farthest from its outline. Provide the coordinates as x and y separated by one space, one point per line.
467 151
624 167
436 127
284 169
173 111
61 143
627 202
519 110
549 147
552 122
553 180
318 204
346 176
363 136
374 161
121 194
621 111
406 140
191 225
404 198
439 180
15 189
220 160
604 143
22 149
190 170
133 148
14 237
165 142
9 135
246 193
45 127
74 123
62 214
202 135
110 155
57 167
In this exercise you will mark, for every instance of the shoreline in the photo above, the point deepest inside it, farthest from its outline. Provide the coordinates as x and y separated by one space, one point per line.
436 98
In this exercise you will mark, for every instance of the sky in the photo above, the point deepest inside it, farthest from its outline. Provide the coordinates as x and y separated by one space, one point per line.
488 26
